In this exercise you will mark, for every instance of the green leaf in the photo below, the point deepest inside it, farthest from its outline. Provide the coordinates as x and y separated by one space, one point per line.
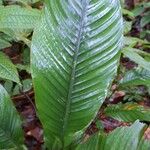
8 69
127 26
1 2
128 112
138 10
74 57
16 90
8 85
27 85
4 44
95 142
75 54
19 35
134 56
145 33
144 143
146 4
16 17
27 1
127 12
138 76
122 138
26 56
145 19
21 67
5 37
132 41
11 135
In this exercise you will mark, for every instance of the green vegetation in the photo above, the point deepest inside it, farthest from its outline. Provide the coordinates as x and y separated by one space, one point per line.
76 56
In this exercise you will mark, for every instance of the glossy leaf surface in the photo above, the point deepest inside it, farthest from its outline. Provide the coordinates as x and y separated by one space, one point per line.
8 69
75 54
122 138
11 135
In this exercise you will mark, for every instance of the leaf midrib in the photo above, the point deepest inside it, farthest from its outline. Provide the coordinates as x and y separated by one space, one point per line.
72 77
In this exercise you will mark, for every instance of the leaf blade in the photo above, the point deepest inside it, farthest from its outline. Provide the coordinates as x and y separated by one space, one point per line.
129 112
134 56
122 138
16 17
4 44
8 69
11 135
138 76
73 63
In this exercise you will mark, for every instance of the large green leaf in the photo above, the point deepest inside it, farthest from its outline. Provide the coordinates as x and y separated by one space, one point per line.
128 112
16 17
75 54
123 138
8 69
11 135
